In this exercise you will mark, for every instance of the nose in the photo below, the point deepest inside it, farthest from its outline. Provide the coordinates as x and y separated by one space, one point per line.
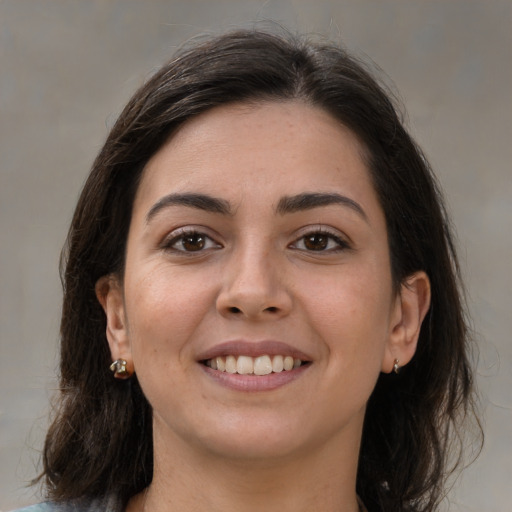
253 287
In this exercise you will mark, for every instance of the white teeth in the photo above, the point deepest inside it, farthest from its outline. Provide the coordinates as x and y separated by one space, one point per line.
277 364
231 364
221 364
246 365
262 365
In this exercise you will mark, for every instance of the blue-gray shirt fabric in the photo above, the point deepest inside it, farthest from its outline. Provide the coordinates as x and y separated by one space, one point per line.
40 507
105 505
109 505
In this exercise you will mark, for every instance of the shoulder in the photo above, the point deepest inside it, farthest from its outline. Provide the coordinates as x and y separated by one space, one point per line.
110 504
40 507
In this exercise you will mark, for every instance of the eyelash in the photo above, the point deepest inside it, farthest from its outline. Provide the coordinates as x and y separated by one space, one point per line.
182 235
340 244
210 243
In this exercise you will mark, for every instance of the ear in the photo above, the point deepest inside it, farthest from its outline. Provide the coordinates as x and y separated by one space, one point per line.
110 295
411 306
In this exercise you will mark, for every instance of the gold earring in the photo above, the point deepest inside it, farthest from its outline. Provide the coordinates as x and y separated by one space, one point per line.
118 367
396 367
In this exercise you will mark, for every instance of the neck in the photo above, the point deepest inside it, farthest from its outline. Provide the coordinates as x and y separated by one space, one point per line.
323 478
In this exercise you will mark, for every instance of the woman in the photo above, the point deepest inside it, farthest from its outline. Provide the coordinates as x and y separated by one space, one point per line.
261 258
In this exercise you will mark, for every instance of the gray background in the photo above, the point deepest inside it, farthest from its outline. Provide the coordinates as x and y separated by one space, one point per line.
66 69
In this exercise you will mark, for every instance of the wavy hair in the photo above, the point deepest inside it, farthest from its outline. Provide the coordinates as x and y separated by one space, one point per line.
412 418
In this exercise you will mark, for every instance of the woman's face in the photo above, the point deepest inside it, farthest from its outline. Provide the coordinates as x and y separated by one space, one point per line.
256 237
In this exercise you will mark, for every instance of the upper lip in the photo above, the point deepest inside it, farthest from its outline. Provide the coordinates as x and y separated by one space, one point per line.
252 349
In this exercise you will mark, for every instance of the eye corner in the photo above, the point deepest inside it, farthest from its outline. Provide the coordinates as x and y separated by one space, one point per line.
190 241
320 240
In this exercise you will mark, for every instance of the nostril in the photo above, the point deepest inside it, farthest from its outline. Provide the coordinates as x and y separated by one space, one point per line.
271 309
234 309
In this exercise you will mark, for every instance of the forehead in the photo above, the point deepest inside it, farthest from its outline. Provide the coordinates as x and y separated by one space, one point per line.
242 150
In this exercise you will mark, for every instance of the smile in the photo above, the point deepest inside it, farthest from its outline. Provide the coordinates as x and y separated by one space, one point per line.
247 365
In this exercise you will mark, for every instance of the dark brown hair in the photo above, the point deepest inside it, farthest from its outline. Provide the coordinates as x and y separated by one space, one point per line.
100 441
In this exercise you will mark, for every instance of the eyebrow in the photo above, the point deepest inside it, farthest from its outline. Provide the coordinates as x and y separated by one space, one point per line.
287 204
198 201
308 201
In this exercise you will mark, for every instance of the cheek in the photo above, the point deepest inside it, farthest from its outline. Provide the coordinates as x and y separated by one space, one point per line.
164 309
350 310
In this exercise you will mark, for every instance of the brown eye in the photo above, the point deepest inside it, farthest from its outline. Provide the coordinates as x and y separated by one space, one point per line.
320 241
193 242
316 242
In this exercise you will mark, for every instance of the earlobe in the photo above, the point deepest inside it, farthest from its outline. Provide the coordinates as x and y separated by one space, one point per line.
110 295
412 304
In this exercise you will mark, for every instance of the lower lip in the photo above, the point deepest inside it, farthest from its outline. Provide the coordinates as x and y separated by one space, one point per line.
254 383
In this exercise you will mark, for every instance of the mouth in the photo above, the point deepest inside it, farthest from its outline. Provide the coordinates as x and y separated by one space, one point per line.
261 365
247 365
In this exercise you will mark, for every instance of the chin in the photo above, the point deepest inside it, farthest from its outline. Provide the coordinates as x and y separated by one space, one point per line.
260 450
246 438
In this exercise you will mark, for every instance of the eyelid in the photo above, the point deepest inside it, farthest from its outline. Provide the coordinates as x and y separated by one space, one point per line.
175 235
343 241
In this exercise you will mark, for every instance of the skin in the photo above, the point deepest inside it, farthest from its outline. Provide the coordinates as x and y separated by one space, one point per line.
259 277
